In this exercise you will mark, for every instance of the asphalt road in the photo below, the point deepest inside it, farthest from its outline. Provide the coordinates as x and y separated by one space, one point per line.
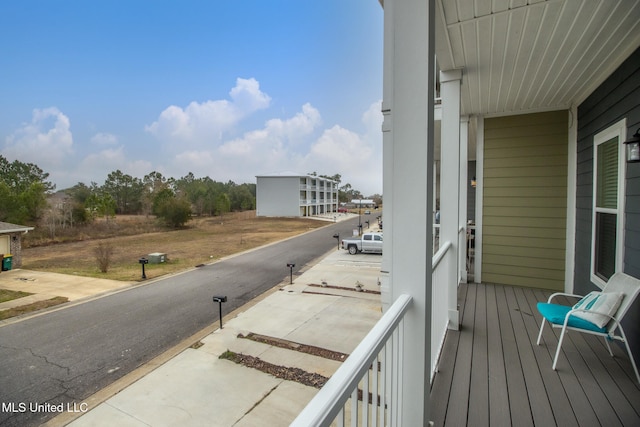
67 355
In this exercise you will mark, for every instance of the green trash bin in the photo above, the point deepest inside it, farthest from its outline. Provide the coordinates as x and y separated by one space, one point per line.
7 262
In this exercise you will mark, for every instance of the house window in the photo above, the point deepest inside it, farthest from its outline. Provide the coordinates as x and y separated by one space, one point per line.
4 245
608 203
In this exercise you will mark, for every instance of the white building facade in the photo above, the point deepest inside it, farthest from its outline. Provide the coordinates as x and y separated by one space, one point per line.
295 195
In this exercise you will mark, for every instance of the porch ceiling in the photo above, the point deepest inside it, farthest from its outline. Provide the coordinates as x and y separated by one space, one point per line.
533 55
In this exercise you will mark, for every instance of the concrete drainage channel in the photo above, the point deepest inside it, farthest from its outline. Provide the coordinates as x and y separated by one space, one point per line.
357 288
283 372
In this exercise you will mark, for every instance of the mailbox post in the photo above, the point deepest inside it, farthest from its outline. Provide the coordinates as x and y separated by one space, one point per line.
220 299
143 261
290 265
337 237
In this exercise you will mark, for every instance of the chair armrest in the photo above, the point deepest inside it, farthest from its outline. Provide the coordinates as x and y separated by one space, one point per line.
577 310
557 294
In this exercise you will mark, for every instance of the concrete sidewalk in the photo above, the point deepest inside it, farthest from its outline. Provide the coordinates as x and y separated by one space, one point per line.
45 285
332 305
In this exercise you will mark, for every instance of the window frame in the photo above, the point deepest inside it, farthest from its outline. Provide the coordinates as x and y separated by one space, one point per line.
6 243
617 130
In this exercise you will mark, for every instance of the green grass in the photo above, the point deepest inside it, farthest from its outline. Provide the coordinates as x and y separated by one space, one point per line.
28 308
229 355
7 295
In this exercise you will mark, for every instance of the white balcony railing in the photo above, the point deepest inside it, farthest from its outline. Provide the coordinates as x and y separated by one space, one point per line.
364 391
462 253
439 308
365 387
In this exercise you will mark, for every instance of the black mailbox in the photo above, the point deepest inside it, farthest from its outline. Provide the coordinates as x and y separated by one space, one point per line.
220 299
143 261
291 265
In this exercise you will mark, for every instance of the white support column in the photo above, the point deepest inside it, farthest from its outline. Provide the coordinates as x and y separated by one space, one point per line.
477 254
408 166
387 212
463 191
572 158
449 182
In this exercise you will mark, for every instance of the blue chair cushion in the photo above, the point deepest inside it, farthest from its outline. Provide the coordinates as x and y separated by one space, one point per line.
555 313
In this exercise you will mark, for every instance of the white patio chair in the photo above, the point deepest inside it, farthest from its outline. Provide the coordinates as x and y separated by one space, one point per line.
598 313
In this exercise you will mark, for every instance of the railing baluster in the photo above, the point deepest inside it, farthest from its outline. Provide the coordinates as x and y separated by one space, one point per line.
365 399
383 388
400 373
393 402
375 397
354 407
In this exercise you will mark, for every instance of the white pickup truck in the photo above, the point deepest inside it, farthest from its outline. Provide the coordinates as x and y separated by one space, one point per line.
367 243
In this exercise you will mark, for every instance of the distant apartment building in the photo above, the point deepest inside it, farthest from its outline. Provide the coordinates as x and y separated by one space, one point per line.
295 195
362 203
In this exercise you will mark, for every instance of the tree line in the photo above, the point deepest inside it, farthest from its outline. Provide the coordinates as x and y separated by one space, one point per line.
155 194
25 189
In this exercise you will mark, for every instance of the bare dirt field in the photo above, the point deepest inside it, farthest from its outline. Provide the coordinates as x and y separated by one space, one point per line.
203 240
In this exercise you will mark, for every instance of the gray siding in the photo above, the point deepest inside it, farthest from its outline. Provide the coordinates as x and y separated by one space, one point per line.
617 98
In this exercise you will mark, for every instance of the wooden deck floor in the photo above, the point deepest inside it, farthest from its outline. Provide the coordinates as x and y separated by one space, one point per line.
492 373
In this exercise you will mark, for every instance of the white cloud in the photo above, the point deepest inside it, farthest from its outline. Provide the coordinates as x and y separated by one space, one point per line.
356 157
194 139
286 144
372 118
248 97
100 164
343 151
108 157
201 163
104 139
341 145
205 122
270 148
277 135
297 143
294 129
45 141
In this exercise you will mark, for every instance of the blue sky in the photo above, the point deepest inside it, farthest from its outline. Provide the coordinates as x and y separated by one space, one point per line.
225 89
